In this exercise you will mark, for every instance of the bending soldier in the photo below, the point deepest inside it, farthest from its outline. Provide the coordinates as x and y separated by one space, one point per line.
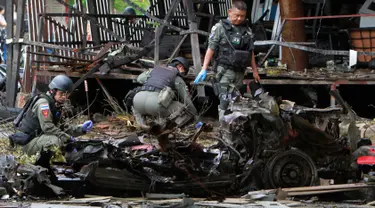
157 96
37 124
232 41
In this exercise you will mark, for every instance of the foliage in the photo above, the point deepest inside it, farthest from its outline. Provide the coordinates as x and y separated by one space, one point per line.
120 5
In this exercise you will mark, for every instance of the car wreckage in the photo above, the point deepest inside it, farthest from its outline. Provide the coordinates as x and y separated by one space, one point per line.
263 144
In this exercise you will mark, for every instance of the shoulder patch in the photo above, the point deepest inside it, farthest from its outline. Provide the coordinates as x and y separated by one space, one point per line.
44 107
45 110
213 31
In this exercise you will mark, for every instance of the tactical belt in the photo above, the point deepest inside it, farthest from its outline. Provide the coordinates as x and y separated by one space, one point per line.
149 88
228 66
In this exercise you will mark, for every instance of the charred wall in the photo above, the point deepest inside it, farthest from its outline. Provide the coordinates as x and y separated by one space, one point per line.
360 97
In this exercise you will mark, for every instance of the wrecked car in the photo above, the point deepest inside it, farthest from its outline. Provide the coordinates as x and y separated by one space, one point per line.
263 144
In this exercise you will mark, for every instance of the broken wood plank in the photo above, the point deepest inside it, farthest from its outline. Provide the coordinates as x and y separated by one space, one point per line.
309 49
226 205
327 187
236 201
310 190
90 199
164 196
105 199
167 19
94 75
229 205
174 53
52 46
305 193
44 205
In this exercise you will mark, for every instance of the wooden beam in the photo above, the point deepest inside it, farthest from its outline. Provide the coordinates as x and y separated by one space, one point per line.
148 14
94 75
10 82
39 50
95 34
27 76
178 47
158 31
169 14
13 51
194 40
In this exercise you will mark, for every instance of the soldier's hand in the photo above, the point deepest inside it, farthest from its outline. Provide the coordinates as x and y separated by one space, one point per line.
87 126
256 76
201 76
72 140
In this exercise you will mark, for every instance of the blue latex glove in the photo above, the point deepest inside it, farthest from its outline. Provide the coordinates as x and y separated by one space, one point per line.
201 76
87 126
72 139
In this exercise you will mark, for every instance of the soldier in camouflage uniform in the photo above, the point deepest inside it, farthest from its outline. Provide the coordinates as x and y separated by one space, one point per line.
37 131
231 41
146 101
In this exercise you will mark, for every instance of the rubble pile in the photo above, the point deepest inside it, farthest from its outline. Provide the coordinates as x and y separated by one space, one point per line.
263 144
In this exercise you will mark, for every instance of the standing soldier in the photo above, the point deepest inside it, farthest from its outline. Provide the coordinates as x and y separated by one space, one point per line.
231 41
37 124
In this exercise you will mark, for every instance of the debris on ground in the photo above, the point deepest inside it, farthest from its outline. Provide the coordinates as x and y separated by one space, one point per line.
266 151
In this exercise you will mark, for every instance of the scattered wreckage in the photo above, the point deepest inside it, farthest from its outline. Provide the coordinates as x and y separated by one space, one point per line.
264 144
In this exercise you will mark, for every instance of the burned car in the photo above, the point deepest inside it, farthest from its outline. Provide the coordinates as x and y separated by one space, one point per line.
262 145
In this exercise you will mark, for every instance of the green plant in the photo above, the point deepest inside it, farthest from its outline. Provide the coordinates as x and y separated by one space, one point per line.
120 5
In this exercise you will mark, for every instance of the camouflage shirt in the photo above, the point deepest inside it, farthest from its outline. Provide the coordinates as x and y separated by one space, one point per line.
43 111
217 36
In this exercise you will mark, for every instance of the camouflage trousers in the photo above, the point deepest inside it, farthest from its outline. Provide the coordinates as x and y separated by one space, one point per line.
44 143
146 103
229 81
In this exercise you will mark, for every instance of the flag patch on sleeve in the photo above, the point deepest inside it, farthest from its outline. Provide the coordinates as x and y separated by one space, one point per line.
44 107
45 110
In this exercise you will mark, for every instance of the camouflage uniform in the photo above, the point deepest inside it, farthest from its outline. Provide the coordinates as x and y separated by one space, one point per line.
229 77
146 102
51 136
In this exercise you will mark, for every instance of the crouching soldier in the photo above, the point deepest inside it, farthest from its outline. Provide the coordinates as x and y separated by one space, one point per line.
163 93
37 129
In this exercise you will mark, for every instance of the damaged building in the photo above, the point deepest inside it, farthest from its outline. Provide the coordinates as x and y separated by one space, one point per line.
297 132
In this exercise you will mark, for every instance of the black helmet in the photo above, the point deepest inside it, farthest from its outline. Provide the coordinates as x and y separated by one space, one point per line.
129 11
183 61
62 83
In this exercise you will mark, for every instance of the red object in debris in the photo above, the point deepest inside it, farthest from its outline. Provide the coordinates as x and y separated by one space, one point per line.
366 160
147 147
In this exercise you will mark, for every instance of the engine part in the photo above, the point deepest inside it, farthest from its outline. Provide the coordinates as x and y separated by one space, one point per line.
291 168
